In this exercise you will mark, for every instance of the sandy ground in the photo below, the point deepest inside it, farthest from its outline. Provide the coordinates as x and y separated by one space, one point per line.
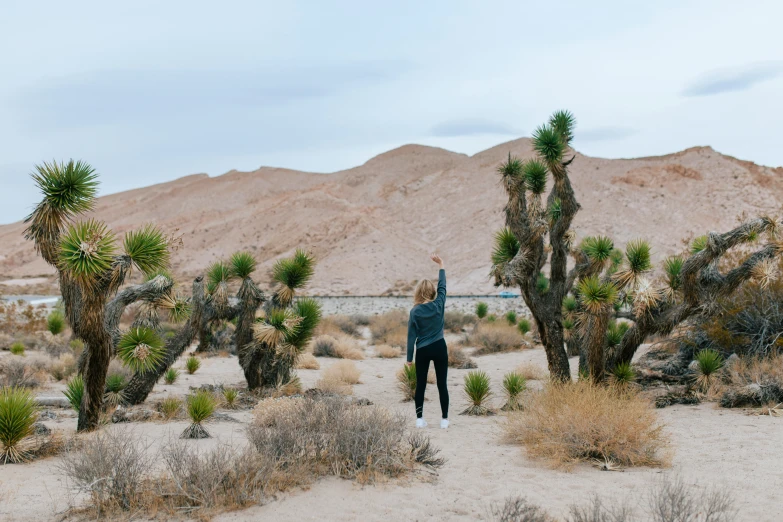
711 446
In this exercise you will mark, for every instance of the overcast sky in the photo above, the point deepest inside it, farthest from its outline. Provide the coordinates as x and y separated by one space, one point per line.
151 91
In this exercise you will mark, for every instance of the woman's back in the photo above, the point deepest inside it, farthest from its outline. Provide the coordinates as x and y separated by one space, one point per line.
425 324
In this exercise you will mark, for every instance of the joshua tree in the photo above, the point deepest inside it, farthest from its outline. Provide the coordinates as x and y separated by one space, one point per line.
521 253
91 271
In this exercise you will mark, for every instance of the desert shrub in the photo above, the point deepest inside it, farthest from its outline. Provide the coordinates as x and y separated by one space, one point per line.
390 328
511 317
478 392
341 348
491 318
708 363
752 381
623 374
523 326
340 323
55 323
455 321
324 346
568 423
74 391
673 500
17 348
293 386
18 413
531 372
115 384
311 438
170 407
230 396
111 467
495 338
333 387
307 361
518 509
459 359
192 364
16 373
171 376
63 367
342 371
385 351
481 309
513 386
200 407
77 346
360 319
406 381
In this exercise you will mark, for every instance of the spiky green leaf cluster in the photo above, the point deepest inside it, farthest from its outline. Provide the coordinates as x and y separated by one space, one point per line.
294 272
192 364
476 387
709 361
514 384
511 168
309 312
67 187
542 283
598 248
623 374
171 376
55 322
536 174
87 250
242 264
548 143
673 268
217 273
141 349
148 249
74 391
511 317
699 244
637 252
563 123
506 247
18 413
568 323
201 405
523 326
595 295
615 333
569 304
555 210
481 309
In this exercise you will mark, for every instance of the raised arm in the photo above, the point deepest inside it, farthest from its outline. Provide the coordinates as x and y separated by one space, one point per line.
411 337
440 299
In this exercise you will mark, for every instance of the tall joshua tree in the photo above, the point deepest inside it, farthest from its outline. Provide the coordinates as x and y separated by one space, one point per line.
91 272
521 252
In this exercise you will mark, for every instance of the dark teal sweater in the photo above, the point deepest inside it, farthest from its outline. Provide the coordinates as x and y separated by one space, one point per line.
425 324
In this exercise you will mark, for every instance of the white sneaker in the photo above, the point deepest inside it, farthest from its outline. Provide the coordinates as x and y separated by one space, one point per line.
421 423
444 423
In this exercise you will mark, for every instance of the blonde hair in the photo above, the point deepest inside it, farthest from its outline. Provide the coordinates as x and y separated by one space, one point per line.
425 292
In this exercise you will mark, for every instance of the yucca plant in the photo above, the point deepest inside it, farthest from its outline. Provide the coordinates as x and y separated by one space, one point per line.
481 310
569 304
673 268
55 322
599 250
242 265
406 381
170 407
74 392
513 386
506 247
596 297
200 407
192 364
511 317
542 283
638 262
615 333
148 249
477 391
115 383
218 276
292 274
171 376
140 349
698 244
18 414
523 326
16 348
708 363
623 374
230 396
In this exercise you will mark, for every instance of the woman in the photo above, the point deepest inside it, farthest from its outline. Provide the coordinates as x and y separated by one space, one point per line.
425 331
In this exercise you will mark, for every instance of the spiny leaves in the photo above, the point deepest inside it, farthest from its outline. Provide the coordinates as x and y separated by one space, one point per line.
74 391
673 267
178 307
277 327
309 310
615 333
242 264
536 174
147 248
506 247
555 210
292 274
596 295
638 254
140 349
217 274
598 249
67 188
699 244
87 250
548 143
542 283
18 413
569 303
511 169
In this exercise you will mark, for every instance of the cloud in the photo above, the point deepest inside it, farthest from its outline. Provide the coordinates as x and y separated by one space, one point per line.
734 79
604 134
470 127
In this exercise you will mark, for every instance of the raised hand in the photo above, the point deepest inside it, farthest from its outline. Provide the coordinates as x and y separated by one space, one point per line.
436 258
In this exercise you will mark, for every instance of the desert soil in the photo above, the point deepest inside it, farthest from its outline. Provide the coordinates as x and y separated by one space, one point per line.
735 449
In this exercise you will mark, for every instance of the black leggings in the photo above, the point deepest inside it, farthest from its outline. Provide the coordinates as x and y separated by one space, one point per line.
438 354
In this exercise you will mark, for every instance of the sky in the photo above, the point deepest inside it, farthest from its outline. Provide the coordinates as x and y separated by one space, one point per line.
148 91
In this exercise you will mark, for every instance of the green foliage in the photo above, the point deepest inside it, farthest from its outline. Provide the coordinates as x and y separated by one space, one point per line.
309 312
514 384
673 268
599 248
638 254
568 323
67 188
569 304
595 295
170 407
201 405
709 361
491 318
542 283
18 413
563 123
512 168
141 349
171 376
77 345
230 397
217 273
523 326
179 310
406 381
87 250
623 374
548 143
294 272
148 249
536 175
615 333
17 348
192 364
511 317
477 390
506 247
74 391
481 309
699 244
115 384
242 264
615 259
55 323
555 210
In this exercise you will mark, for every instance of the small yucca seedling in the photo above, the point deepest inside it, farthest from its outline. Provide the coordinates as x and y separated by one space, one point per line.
491 318
55 323
709 362
74 391
170 407
523 326
477 391
406 381
18 413
192 364
115 384
200 407
230 396
542 283
171 376
513 386
699 244
511 317
17 348
623 374
481 309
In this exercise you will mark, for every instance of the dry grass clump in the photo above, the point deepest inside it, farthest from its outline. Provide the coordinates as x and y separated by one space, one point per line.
341 324
569 423
17 372
385 351
342 371
63 367
341 347
170 407
752 381
390 328
307 361
459 359
495 338
455 321
532 372
334 387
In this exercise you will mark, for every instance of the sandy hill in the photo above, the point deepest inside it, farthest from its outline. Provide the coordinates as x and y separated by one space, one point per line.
372 226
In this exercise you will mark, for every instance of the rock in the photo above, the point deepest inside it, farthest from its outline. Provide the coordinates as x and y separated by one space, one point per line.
122 414
58 402
48 415
732 360
39 428
223 417
693 366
